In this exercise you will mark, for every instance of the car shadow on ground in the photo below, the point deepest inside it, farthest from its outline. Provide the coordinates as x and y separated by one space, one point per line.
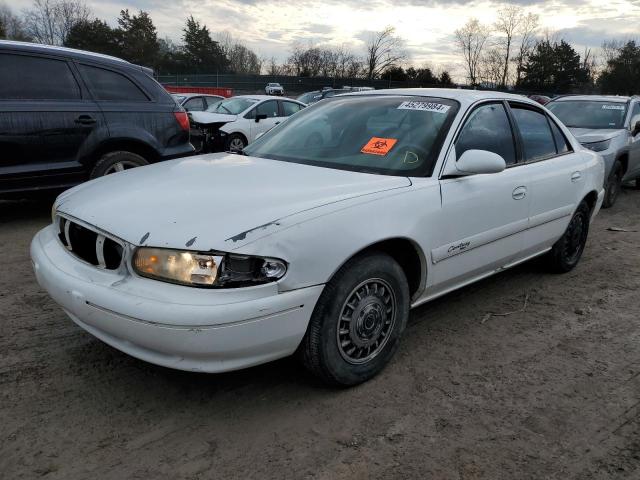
21 209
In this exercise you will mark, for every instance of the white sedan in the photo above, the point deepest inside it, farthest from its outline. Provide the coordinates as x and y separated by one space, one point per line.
230 125
315 243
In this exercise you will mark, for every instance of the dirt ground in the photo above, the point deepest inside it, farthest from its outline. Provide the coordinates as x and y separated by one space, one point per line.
549 393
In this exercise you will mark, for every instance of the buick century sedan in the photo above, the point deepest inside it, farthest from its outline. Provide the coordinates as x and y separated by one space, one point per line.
319 237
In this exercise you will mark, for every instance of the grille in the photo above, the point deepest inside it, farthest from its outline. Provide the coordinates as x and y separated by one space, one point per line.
90 246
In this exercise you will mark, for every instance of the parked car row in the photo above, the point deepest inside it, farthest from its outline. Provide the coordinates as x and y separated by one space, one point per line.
321 231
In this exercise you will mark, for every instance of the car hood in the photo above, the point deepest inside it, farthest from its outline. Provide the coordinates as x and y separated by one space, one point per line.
217 201
591 135
210 117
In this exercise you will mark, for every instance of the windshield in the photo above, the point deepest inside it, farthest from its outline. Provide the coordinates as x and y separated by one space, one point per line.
390 135
232 106
589 113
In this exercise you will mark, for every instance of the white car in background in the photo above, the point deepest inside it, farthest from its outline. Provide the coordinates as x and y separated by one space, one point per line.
231 124
319 244
274 89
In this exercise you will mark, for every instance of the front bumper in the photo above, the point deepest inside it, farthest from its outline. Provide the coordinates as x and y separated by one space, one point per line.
171 325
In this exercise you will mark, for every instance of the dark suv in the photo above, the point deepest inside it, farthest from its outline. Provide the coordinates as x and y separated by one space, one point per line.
68 115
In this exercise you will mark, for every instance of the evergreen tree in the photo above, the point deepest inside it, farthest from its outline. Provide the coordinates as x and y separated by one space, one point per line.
622 73
94 36
137 38
202 53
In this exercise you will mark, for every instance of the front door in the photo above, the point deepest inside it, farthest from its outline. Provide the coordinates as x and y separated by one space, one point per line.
270 109
483 216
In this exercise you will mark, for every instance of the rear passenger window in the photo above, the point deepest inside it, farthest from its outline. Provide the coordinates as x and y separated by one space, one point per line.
562 146
537 139
24 77
109 85
488 128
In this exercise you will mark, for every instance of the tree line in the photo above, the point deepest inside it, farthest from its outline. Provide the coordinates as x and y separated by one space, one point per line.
70 23
512 52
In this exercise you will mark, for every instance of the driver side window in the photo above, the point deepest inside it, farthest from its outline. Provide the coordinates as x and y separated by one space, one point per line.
269 108
488 128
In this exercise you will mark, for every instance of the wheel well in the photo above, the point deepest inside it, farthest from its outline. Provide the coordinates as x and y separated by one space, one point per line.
139 148
409 257
591 199
624 161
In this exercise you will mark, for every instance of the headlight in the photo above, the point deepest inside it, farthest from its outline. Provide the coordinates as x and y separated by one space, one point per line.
598 146
206 269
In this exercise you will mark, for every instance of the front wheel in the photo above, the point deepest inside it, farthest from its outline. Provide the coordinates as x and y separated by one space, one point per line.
357 323
235 143
613 186
566 252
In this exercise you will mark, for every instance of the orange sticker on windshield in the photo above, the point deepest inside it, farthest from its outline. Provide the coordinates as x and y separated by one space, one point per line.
379 146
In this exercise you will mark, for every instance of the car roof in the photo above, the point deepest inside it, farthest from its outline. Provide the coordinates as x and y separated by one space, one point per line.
594 98
262 97
69 52
193 94
464 96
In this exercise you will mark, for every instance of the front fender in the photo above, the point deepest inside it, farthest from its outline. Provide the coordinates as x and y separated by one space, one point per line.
315 248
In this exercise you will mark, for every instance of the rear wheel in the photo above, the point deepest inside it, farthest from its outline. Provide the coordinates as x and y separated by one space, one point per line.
614 185
116 162
566 252
357 323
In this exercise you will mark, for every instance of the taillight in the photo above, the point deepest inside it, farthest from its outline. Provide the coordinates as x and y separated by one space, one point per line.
183 120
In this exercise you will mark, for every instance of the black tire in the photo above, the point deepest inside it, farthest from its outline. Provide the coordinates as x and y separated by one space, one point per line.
613 186
233 140
116 161
332 345
566 252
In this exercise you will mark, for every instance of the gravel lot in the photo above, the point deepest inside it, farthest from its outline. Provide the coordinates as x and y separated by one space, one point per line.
549 393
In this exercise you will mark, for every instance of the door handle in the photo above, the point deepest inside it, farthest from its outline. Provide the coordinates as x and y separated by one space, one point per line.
85 120
519 193
575 176
277 123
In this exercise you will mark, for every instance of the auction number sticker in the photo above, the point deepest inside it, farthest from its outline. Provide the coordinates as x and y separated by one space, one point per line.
379 146
613 107
424 106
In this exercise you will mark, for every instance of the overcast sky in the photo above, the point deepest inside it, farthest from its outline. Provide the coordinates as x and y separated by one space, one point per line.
270 27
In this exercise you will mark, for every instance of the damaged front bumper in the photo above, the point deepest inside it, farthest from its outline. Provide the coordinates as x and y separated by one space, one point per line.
172 325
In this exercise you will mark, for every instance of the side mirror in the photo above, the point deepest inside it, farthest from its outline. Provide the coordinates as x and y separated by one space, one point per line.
474 162
261 116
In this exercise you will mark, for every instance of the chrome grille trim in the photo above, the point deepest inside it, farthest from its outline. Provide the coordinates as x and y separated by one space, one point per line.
89 244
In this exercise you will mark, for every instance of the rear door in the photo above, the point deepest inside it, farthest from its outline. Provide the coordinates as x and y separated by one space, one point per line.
288 108
484 216
46 120
554 172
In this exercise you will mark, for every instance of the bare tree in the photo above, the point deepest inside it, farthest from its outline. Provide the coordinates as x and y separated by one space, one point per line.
49 21
12 26
611 49
509 20
241 58
384 50
527 32
471 39
491 69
